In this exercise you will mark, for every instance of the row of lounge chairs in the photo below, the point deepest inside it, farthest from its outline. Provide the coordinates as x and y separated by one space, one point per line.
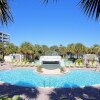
81 65
67 64
23 64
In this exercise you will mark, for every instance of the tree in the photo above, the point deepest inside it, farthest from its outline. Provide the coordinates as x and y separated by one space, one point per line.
76 49
91 7
94 49
1 50
27 50
70 48
54 48
46 1
79 49
98 52
10 48
45 49
38 51
62 51
5 13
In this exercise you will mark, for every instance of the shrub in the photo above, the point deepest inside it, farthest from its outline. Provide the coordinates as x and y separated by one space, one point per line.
5 98
61 69
13 98
16 98
39 68
9 99
78 61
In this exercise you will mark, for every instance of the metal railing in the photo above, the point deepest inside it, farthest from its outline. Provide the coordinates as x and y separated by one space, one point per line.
44 83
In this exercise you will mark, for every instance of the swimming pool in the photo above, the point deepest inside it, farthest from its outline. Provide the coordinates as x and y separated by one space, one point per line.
27 77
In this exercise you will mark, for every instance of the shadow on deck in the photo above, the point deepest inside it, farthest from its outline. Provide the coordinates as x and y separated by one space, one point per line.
32 93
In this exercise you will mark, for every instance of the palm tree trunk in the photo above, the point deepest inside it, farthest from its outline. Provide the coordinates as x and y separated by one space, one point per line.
77 55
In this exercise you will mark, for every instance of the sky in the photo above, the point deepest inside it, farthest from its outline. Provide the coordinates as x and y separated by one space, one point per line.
51 24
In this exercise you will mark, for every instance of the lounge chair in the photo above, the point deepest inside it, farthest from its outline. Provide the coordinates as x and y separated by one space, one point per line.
77 65
72 65
90 64
67 64
15 63
81 65
94 65
19 64
23 64
27 64
32 64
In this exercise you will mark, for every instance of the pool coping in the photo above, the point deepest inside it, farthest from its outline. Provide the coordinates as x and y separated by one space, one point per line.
96 85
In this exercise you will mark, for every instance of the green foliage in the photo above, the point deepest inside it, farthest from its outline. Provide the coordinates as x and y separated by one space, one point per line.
61 69
38 51
45 49
9 99
78 61
33 52
16 98
5 13
10 48
5 98
91 8
39 68
62 51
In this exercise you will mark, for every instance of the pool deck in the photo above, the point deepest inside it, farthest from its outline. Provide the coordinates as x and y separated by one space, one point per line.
34 93
46 71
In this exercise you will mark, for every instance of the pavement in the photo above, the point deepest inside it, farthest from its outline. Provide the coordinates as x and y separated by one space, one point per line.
33 93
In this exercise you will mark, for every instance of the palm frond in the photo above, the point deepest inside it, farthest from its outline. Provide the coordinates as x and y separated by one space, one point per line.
91 7
46 1
5 13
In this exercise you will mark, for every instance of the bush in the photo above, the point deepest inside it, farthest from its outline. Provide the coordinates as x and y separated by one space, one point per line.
13 98
39 68
61 69
78 61
5 98
16 98
9 99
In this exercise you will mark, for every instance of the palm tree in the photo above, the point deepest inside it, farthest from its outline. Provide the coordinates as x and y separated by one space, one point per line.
79 49
91 7
27 50
10 48
5 13
38 50
1 50
62 51
46 1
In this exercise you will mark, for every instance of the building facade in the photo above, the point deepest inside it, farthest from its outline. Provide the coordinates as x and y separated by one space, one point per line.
4 37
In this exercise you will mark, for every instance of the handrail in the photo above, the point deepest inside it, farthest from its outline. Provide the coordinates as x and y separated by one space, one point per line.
44 83
49 83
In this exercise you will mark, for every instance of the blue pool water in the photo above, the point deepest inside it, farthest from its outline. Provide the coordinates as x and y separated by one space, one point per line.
27 77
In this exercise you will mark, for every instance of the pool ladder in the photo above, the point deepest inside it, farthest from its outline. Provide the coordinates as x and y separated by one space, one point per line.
46 82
